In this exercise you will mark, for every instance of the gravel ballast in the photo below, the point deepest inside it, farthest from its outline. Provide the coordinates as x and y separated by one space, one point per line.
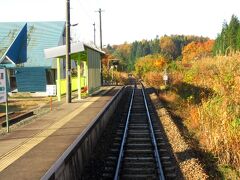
190 166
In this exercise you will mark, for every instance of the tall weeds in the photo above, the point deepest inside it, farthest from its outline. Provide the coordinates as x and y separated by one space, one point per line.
209 89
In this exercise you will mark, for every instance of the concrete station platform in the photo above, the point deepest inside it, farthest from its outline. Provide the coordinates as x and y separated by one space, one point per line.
29 151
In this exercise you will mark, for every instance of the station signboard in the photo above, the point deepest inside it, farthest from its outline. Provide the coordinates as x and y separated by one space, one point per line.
3 86
51 90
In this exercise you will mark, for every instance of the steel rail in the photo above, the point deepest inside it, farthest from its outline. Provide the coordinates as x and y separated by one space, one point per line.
121 154
156 154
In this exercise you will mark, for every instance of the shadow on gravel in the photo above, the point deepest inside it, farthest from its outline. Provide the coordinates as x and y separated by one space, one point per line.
170 150
206 159
194 94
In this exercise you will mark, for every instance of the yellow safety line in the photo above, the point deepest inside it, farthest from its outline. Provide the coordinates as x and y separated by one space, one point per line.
10 157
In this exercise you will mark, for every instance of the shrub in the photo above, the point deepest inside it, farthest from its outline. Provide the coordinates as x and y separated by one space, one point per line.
209 91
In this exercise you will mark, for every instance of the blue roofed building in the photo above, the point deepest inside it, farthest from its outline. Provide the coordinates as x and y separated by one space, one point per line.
22 52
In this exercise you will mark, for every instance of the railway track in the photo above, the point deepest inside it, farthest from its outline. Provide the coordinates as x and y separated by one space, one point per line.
138 151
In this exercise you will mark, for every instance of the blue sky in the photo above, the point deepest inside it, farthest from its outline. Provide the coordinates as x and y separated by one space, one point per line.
128 20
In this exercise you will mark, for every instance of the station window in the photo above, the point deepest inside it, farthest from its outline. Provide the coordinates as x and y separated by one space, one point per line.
51 76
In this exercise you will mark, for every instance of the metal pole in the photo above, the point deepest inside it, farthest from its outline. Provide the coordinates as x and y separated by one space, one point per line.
68 50
94 30
7 120
100 19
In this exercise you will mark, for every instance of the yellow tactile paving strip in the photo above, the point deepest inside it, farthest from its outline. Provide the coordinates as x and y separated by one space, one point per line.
20 150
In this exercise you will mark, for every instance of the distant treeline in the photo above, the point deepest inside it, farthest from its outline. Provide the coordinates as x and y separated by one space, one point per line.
229 38
169 46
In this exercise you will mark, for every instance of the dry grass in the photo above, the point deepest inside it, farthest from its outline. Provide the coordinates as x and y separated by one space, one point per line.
219 115
209 91
23 104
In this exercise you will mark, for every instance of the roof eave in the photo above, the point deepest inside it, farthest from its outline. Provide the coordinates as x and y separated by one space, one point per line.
94 48
60 51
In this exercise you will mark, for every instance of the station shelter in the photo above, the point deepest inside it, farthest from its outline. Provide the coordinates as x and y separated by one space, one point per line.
85 67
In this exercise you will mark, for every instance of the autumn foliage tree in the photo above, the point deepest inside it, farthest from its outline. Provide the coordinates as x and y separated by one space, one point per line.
197 50
122 52
105 66
168 47
150 63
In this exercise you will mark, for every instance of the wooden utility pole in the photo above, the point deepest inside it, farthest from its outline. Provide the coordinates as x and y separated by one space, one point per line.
100 20
101 46
68 50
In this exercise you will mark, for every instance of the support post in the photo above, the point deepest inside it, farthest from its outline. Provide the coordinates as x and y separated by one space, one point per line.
79 78
58 79
87 75
68 50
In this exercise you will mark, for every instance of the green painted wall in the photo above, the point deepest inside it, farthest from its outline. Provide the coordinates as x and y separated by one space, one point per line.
74 84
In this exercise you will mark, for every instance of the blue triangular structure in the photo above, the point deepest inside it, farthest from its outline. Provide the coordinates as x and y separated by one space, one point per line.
17 52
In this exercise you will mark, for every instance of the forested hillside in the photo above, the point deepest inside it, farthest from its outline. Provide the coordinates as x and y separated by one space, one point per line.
228 41
168 46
